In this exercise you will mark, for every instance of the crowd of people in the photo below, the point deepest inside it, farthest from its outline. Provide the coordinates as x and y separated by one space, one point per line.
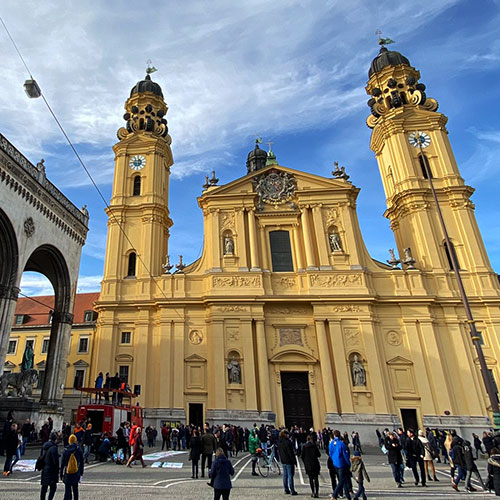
406 450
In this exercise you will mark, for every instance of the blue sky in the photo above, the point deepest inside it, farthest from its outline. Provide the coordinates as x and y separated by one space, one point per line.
291 71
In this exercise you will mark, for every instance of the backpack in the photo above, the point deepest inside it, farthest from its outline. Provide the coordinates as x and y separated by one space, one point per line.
72 466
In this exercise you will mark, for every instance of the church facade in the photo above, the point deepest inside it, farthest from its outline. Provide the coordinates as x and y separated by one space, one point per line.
285 318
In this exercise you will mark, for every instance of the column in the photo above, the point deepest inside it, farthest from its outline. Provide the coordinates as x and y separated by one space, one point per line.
254 259
263 364
326 367
241 239
178 364
141 372
298 247
342 373
218 362
320 238
8 301
263 248
249 366
306 232
215 238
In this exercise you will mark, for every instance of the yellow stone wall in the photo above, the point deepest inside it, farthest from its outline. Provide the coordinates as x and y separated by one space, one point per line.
406 326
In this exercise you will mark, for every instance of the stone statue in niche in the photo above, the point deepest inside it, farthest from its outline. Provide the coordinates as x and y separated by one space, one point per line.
358 372
234 371
335 244
228 245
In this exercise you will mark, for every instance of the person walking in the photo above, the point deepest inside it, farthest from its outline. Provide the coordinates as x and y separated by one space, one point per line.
358 471
194 454
138 448
415 453
87 442
478 445
394 456
340 457
164 437
220 474
288 460
457 455
494 471
253 445
11 443
310 455
208 447
50 471
471 467
71 468
428 457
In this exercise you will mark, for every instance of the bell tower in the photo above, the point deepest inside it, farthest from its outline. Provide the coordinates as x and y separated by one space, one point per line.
139 222
408 131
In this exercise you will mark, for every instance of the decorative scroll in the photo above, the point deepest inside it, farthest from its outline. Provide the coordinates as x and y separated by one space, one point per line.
334 280
238 281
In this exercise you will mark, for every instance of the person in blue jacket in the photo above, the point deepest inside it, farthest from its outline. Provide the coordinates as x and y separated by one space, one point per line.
71 480
339 454
220 474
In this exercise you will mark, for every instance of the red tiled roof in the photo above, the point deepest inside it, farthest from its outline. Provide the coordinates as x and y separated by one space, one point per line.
37 309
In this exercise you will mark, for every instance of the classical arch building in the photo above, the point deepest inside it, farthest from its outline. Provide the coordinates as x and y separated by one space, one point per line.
286 318
40 230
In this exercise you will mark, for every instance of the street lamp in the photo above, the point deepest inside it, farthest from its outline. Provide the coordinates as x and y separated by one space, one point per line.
32 89
422 140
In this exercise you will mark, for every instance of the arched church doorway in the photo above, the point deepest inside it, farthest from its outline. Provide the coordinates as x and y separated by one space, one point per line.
296 399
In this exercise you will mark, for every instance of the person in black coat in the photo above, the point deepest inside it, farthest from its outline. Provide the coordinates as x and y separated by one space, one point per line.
50 471
71 480
310 455
194 454
220 475
394 456
457 455
494 471
288 461
471 467
10 442
415 453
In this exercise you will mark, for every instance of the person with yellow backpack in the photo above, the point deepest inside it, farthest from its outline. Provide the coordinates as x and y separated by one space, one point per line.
71 469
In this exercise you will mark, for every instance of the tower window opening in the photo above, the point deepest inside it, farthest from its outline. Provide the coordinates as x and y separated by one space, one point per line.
422 158
131 264
403 97
281 251
448 255
137 186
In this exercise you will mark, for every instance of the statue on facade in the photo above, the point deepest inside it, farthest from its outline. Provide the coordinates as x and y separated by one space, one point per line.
335 244
228 245
28 361
234 371
22 382
358 372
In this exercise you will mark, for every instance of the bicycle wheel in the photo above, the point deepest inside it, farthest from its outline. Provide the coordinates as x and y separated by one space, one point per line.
263 466
275 467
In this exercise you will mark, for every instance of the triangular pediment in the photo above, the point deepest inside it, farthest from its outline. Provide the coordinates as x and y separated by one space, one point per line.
9 365
41 365
80 362
195 358
305 182
399 360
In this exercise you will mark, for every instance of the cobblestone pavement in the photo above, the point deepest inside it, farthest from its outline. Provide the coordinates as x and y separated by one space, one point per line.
113 482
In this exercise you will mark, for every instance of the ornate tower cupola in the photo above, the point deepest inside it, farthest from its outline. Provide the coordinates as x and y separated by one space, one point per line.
256 159
140 189
408 134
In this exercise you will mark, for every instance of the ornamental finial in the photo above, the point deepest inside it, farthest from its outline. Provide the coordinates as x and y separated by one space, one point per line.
150 69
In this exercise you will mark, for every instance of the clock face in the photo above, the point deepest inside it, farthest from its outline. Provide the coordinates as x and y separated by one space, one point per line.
137 162
419 140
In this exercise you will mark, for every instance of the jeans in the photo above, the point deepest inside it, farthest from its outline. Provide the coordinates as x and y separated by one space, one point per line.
468 477
288 472
343 474
460 474
71 488
208 458
183 441
23 446
361 491
45 487
396 472
86 452
8 461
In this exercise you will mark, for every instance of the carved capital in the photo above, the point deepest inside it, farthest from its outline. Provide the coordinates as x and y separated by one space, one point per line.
9 292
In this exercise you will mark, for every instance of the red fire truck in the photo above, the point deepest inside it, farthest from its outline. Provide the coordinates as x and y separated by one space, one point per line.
106 416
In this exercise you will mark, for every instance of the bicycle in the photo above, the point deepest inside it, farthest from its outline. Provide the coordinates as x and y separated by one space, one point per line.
267 462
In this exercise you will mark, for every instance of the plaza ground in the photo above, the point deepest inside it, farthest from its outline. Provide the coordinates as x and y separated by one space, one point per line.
116 482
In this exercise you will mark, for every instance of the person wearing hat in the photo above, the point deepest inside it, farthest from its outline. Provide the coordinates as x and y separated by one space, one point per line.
71 472
50 471
358 471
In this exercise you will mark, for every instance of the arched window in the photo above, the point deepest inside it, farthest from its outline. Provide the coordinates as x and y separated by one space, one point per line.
131 264
448 255
281 251
137 186
421 159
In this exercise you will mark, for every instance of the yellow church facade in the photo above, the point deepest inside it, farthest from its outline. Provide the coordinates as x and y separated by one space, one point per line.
285 318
